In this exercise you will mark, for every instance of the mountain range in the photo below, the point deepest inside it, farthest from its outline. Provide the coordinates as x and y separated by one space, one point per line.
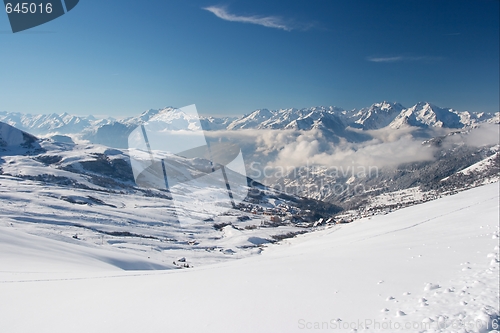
337 121
443 142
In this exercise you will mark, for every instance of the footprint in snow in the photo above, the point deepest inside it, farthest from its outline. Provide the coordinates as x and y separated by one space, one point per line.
390 298
256 251
441 318
431 286
406 293
400 313
228 251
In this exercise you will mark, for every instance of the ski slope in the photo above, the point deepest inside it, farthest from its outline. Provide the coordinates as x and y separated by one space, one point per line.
423 268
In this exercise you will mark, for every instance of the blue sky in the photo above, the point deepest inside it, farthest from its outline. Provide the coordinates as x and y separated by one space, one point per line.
119 58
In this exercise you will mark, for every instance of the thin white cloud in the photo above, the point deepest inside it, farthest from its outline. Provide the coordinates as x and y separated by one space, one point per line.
266 21
403 58
386 59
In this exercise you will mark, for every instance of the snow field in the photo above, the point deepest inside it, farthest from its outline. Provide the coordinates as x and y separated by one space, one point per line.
436 262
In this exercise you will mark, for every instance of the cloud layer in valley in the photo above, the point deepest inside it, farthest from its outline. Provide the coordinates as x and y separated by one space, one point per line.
483 135
287 149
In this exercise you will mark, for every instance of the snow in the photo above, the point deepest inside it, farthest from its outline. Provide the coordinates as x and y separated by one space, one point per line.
378 115
405 196
427 115
102 217
10 136
432 264
481 165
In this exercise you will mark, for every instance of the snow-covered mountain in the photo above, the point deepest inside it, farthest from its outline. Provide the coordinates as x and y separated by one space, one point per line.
12 137
253 120
328 127
215 124
112 132
377 116
45 124
301 119
428 115
334 122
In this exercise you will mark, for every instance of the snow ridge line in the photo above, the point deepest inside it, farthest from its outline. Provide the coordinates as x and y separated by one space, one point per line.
85 278
428 220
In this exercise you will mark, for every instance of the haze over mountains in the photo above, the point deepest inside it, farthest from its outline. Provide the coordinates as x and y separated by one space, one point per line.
309 151
333 120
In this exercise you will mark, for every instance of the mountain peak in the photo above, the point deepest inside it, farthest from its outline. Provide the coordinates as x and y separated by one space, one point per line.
261 113
425 114
378 115
425 105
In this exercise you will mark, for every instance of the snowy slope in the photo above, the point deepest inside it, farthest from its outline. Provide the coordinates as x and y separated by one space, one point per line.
481 165
430 264
124 229
13 137
62 190
484 171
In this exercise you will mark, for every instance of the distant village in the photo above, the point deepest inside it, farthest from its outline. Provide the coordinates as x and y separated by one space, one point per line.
285 214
